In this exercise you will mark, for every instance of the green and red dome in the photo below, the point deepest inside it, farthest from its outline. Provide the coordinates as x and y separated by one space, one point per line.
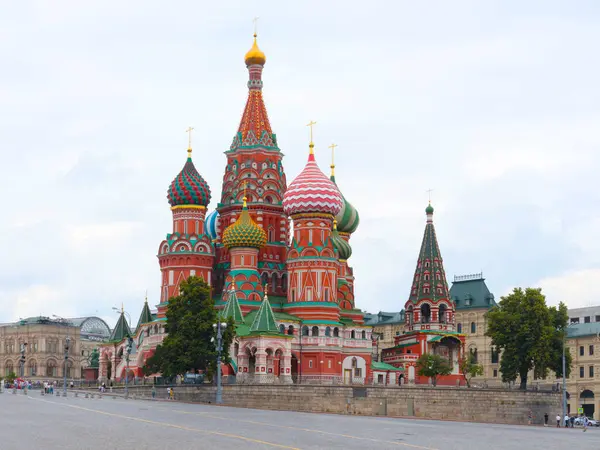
189 188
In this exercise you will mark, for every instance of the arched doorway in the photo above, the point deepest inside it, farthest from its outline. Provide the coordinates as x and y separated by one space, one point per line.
586 399
294 369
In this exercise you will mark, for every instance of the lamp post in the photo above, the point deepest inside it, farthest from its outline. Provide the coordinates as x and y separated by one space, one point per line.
564 377
127 353
67 343
23 345
219 327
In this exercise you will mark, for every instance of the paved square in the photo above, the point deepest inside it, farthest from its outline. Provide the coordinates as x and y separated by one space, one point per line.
56 423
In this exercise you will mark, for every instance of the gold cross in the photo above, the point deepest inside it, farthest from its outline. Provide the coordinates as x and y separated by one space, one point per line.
429 191
310 124
189 132
332 147
255 20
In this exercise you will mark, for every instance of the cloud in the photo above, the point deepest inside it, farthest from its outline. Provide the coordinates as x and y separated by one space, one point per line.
574 288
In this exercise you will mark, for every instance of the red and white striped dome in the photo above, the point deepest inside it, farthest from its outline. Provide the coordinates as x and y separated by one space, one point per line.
312 192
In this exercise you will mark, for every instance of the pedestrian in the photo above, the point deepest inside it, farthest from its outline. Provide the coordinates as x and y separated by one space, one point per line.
546 419
585 423
529 417
168 393
558 421
153 392
172 394
572 422
566 420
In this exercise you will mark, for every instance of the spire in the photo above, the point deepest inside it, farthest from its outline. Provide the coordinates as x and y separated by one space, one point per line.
121 330
429 281
189 132
264 322
311 144
232 307
146 315
332 166
255 128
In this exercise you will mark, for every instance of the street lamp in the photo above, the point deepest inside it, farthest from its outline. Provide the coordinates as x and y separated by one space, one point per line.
219 327
67 343
564 375
128 352
23 345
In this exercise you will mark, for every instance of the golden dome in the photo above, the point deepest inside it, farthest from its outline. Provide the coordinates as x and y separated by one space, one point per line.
255 55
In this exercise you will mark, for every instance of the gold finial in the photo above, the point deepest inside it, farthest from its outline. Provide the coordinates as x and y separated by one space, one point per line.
429 193
255 20
266 290
245 198
311 145
189 132
146 295
122 308
335 224
332 147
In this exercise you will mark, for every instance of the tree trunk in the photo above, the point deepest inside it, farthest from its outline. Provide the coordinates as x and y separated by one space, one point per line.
523 385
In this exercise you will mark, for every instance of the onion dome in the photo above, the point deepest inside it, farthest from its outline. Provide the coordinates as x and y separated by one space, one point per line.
340 244
255 55
312 192
188 187
347 218
211 223
429 209
244 232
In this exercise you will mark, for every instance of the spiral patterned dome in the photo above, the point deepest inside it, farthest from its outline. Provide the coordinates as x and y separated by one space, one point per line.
347 218
211 223
312 192
340 244
188 187
244 232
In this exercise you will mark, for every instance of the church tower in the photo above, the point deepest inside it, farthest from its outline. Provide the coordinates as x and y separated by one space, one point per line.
312 201
254 169
187 250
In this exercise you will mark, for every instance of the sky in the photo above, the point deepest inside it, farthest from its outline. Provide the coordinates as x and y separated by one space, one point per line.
493 105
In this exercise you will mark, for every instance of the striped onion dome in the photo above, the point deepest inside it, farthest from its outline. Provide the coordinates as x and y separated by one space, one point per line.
340 244
312 192
244 232
188 187
347 218
211 223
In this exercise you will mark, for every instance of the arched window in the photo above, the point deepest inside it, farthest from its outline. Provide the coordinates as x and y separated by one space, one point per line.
264 279
32 368
425 313
291 330
459 327
473 353
51 370
354 363
8 368
336 332
304 330
284 282
282 329
353 334
328 331
274 282
271 235
364 334
473 327
442 313
315 331
269 199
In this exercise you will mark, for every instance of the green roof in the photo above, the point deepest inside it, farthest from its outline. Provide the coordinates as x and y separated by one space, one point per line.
470 292
121 330
384 366
145 316
232 308
264 321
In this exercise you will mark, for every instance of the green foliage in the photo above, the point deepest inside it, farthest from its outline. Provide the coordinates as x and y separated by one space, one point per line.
11 377
469 368
432 366
529 333
188 346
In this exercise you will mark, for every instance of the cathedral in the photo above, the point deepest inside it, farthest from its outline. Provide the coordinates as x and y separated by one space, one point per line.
276 258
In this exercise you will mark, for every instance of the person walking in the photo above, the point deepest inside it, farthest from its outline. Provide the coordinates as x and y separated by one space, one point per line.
585 422
558 421
566 421
546 419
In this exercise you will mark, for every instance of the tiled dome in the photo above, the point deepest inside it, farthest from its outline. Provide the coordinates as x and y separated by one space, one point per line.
340 244
312 192
211 223
188 187
244 232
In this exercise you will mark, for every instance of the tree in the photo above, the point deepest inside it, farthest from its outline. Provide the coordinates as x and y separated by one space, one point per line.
432 366
529 333
469 368
188 346
11 377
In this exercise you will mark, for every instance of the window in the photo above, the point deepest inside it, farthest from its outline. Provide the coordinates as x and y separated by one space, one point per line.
352 334
581 372
293 295
364 334
329 364
282 329
495 373
309 293
494 356
459 328
304 330
326 295
310 364
574 319
473 327
315 331
336 332
328 331
591 371
291 330
581 350
591 350
587 319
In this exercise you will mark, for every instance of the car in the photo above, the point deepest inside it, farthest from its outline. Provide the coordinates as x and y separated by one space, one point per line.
591 422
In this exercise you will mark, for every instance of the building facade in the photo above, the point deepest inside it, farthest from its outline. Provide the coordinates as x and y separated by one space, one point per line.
292 295
42 341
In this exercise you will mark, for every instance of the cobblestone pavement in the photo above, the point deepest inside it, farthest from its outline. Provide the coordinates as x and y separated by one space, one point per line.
36 422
